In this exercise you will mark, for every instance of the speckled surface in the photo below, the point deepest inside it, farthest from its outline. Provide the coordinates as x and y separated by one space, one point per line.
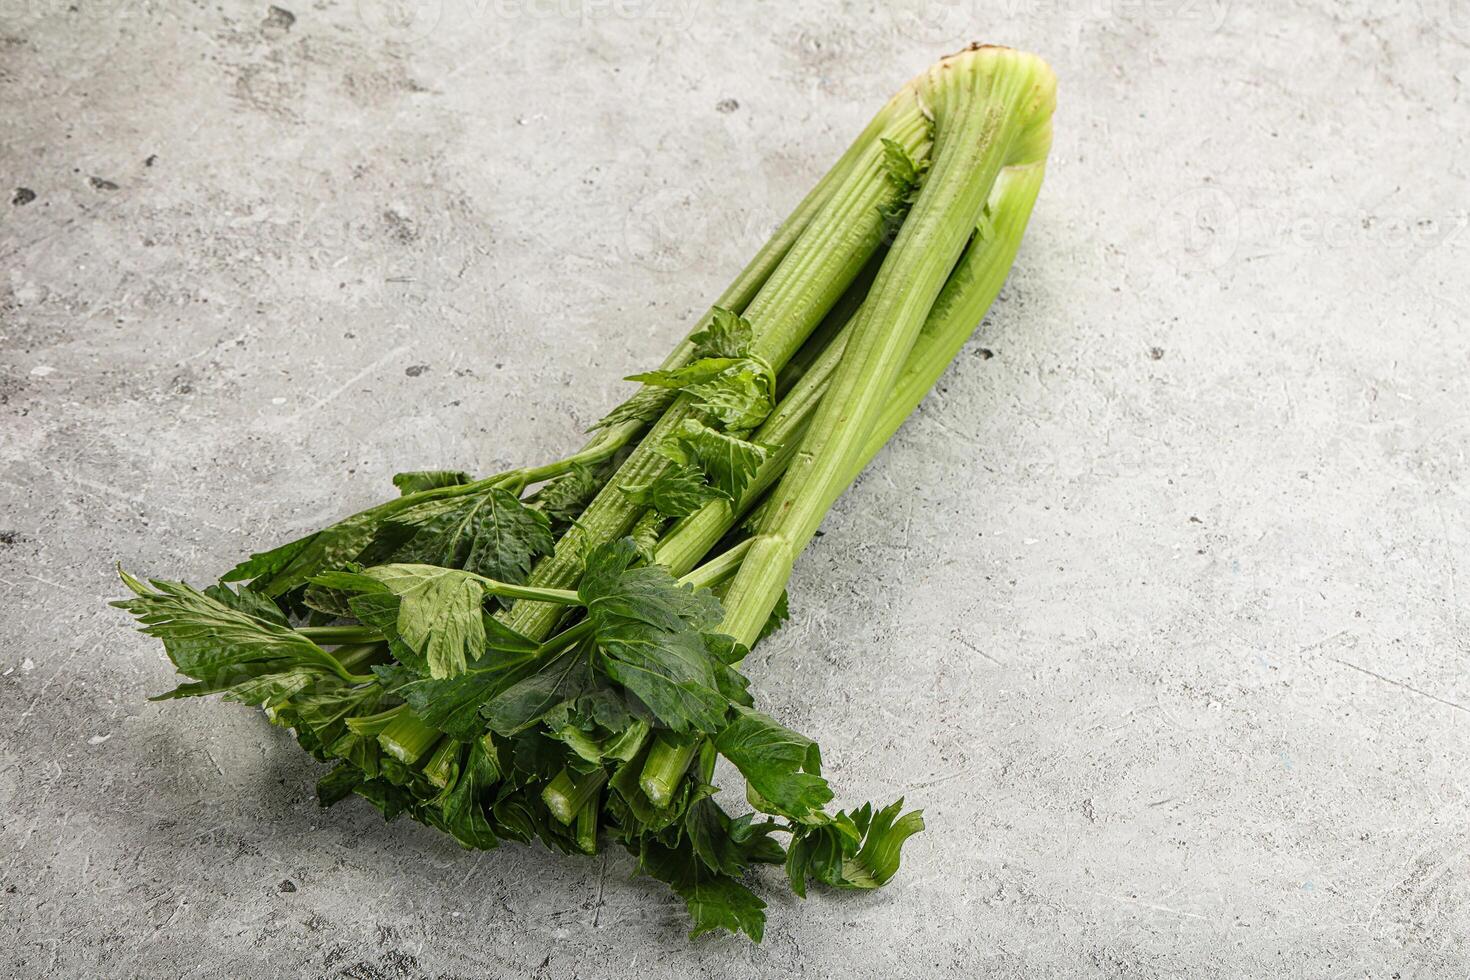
1157 607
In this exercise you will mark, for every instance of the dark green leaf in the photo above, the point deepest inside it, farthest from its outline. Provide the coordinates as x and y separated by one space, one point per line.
502 639
730 463
708 828
391 800
649 594
692 373
646 532
677 492
521 704
779 615
877 861
222 680
714 900
730 682
207 639
264 564
671 673
338 784
755 841
782 766
248 602
275 689
323 709
818 850
725 648
647 627
276 572
362 751
857 849
564 498
491 534
725 378
645 405
727 335
379 609
463 808
453 705
372 602
420 480
605 707
604 565
740 397
537 756
334 603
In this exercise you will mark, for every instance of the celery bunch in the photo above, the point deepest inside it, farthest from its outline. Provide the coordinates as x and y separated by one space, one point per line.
553 652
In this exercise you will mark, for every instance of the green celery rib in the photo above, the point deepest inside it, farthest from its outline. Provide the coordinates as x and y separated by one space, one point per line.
833 252
668 760
372 725
717 569
968 293
555 597
406 738
565 796
361 654
587 823
965 298
837 319
440 767
691 537
827 255
984 103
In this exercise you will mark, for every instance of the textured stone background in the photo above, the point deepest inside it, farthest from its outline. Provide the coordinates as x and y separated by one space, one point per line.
1156 607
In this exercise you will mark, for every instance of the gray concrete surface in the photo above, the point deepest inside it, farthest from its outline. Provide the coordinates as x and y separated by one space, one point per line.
1158 612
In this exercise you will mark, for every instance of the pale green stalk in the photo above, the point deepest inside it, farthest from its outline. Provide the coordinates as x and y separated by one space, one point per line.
668 759
985 102
968 293
827 255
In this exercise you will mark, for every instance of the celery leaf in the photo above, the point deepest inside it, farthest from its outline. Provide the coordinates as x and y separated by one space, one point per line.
782 766
677 492
439 613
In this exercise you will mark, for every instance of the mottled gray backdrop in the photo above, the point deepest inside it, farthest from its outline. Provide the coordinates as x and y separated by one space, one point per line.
1157 607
